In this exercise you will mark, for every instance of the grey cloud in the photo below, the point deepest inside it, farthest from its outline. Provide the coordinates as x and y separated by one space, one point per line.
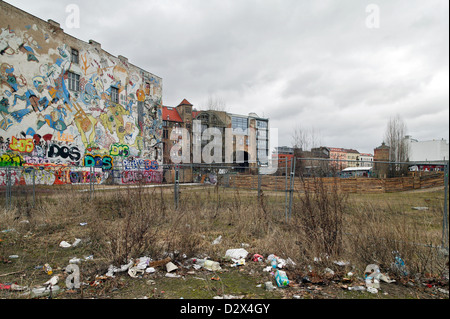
297 62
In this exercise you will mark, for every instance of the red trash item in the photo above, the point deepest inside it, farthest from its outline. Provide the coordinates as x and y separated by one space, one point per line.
257 257
5 287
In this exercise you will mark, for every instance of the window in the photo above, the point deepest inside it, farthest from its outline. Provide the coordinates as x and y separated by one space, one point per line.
261 124
74 56
74 81
114 94
262 156
239 123
262 134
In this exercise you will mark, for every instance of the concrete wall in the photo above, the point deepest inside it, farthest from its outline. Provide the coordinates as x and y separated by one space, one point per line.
43 122
435 150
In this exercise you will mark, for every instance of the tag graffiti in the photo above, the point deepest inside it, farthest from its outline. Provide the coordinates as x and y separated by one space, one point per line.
145 177
21 145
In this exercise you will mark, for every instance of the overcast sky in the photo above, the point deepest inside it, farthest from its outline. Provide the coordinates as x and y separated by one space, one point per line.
319 65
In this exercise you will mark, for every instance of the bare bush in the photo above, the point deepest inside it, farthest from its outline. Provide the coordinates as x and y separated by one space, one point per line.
134 233
318 219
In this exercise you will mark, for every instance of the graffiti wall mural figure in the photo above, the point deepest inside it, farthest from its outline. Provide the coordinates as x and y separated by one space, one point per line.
67 102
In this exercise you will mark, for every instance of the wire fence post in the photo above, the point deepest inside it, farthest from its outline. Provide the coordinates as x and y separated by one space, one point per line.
8 189
285 189
291 185
175 190
34 186
445 217
259 184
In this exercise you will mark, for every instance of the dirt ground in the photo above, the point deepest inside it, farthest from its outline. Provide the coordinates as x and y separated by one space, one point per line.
24 251
240 282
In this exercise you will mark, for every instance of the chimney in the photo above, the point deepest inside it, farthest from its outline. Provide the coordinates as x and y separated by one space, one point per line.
95 44
123 59
55 26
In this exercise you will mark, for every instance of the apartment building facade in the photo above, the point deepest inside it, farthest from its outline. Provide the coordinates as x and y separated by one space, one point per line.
67 102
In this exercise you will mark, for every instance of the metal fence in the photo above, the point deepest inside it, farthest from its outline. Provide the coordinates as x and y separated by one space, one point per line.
24 187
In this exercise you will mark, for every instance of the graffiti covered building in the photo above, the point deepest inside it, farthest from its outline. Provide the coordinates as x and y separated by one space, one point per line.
68 105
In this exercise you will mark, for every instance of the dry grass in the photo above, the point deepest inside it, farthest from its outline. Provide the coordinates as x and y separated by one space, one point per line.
130 223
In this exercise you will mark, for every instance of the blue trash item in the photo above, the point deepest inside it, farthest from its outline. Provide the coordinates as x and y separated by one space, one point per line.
281 279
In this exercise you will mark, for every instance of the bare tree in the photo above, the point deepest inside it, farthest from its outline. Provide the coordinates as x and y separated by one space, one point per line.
399 148
305 139
215 103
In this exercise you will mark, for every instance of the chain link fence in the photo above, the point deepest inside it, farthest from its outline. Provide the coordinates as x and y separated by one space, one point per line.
26 187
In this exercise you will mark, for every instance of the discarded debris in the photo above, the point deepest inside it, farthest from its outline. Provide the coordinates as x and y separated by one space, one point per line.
48 269
112 269
65 244
44 291
420 208
238 262
150 270
281 279
399 265
372 290
74 260
52 281
341 263
372 276
228 297
171 267
236 253
135 272
278 262
217 241
159 262
269 286
257 257
170 275
208 264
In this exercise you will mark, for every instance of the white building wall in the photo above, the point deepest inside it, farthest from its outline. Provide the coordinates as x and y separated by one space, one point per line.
435 150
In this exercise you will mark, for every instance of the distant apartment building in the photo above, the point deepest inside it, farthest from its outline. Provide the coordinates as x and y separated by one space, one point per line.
242 128
352 157
366 160
285 155
338 157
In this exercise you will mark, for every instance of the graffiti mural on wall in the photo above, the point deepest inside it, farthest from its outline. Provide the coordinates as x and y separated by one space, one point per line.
89 113
53 175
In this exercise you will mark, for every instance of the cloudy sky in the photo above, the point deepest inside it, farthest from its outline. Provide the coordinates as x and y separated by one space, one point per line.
339 68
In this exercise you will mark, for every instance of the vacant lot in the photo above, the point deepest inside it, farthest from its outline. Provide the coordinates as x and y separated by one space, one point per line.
330 238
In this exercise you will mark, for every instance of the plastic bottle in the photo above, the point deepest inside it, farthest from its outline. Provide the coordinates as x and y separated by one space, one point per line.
44 291
48 269
274 263
200 262
208 264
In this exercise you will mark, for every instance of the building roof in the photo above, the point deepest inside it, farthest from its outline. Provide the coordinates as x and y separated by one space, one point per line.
171 114
349 169
195 113
185 102
336 149
383 147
